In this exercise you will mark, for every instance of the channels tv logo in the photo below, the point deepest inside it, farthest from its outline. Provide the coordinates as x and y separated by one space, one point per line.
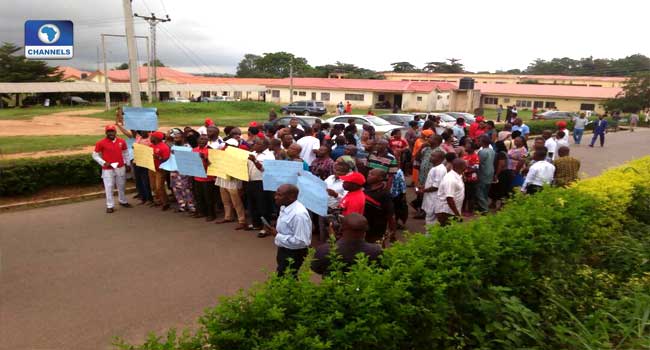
48 40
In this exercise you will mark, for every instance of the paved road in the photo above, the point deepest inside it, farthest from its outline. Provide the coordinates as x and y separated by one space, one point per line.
72 277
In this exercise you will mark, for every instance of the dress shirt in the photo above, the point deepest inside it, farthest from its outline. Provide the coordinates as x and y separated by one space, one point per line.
452 185
253 173
308 145
335 184
434 178
541 173
293 226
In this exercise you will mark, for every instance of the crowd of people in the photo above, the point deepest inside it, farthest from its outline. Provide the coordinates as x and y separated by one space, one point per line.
455 172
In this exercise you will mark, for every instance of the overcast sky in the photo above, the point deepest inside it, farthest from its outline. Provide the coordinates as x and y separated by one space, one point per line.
212 36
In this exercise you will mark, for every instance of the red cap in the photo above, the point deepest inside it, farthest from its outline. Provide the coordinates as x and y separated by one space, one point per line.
208 121
480 119
252 124
355 178
158 135
109 127
261 135
561 124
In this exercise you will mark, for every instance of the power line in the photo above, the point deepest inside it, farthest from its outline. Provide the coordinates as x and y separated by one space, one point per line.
188 52
162 2
153 22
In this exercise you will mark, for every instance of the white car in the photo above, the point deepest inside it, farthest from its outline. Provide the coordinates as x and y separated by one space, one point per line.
178 100
381 126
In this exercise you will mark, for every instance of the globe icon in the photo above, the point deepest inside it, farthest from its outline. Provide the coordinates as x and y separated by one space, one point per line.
49 33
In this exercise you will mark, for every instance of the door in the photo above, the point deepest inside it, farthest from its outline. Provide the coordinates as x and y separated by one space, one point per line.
397 101
313 96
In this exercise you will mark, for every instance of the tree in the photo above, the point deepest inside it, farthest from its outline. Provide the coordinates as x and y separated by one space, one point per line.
443 67
274 65
247 67
156 61
348 70
404 67
16 68
123 66
634 97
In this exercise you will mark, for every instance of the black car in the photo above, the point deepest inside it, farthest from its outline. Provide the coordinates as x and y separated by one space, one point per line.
316 108
302 121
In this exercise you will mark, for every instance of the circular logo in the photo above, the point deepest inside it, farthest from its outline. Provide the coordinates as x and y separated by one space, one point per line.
49 33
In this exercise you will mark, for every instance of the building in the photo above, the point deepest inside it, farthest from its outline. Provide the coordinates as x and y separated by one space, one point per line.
364 93
72 74
562 97
510 79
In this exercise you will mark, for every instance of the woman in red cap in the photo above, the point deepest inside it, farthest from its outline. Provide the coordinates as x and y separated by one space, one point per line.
161 153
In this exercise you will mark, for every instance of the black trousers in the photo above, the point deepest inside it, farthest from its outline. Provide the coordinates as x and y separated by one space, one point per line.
532 189
205 196
141 175
297 257
260 202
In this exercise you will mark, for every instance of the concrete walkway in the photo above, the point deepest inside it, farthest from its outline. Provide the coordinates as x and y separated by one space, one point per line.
73 277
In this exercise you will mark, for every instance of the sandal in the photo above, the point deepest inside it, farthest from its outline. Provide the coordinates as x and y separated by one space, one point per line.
262 234
223 221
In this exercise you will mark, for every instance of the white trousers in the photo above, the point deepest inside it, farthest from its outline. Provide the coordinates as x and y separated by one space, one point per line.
111 178
430 219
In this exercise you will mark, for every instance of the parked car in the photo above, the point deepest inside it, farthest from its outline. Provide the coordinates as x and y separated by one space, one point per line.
217 99
552 115
397 119
382 105
469 117
381 126
302 121
178 100
74 100
316 108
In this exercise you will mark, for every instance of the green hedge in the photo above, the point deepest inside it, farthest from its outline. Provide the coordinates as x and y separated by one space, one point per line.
26 176
537 126
563 269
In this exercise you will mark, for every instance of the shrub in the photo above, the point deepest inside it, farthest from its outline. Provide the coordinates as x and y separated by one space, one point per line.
26 176
537 126
563 269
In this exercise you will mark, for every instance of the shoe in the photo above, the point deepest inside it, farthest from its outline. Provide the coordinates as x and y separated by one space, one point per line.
165 207
109 210
137 196
253 228
223 221
126 205
210 218
262 234
197 216
592 146
240 227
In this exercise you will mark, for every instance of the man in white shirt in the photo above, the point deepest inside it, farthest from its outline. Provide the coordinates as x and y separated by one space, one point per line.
309 145
431 185
451 193
259 201
214 141
549 143
561 139
335 193
540 173
292 231
203 130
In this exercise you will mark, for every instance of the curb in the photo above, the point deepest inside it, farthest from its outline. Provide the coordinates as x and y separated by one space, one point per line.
57 200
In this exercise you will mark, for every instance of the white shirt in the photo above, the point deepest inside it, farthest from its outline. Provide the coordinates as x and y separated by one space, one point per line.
253 173
551 146
452 185
541 173
293 226
203 130
434 178
218 144
335 184
560 143
308 144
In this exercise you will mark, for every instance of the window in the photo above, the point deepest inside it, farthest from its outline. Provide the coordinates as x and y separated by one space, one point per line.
381 98
295 93
302 93
224 93
506 100
587 106
549 104
538 104
275 93
237 94
354 97
324 96
419 98
490 100
205 93
524 103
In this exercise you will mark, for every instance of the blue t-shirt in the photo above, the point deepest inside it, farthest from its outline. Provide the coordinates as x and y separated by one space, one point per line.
524 129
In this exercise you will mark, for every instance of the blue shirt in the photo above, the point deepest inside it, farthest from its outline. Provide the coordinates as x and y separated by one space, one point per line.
337 152
399 184
524 129
293 226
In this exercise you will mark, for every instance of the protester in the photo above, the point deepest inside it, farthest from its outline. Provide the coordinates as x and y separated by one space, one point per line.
549 143
519 125
412 133
451 193
503 175
566 168
477 128
323 165
579 125
540 173
459 129
295 129
485 173
397 145
339 148
111 154
293 154
309 145
292 231
352 243
470 176
182 184
161 153
214 141
431 185
424 158
205 193
634 120
382 160
335 192
447 145
229 190
600 128
379 208
203 130
260 203
398 194
354 200
561 140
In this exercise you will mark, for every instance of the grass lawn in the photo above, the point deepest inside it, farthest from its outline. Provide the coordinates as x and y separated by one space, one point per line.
23 144
30 112
491 114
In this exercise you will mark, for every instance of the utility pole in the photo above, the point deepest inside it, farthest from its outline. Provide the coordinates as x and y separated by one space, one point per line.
106 89
291 80
153 21
134 77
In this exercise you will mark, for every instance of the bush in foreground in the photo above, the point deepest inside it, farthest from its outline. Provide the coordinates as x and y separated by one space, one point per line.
564 269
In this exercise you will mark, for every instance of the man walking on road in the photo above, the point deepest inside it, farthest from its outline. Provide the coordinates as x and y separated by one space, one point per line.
292 231
600 128
111 153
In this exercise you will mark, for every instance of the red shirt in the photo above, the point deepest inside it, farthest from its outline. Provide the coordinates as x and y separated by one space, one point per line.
353 202
472 162
161 150
205 164
397 144
111 151
473 128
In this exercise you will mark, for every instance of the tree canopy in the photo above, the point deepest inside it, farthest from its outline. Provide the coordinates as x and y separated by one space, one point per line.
451 65
626 66
15 67
635 95
404 67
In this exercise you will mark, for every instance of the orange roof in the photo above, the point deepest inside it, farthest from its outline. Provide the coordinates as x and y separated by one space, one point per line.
70 72
566 91
176 76
364 84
